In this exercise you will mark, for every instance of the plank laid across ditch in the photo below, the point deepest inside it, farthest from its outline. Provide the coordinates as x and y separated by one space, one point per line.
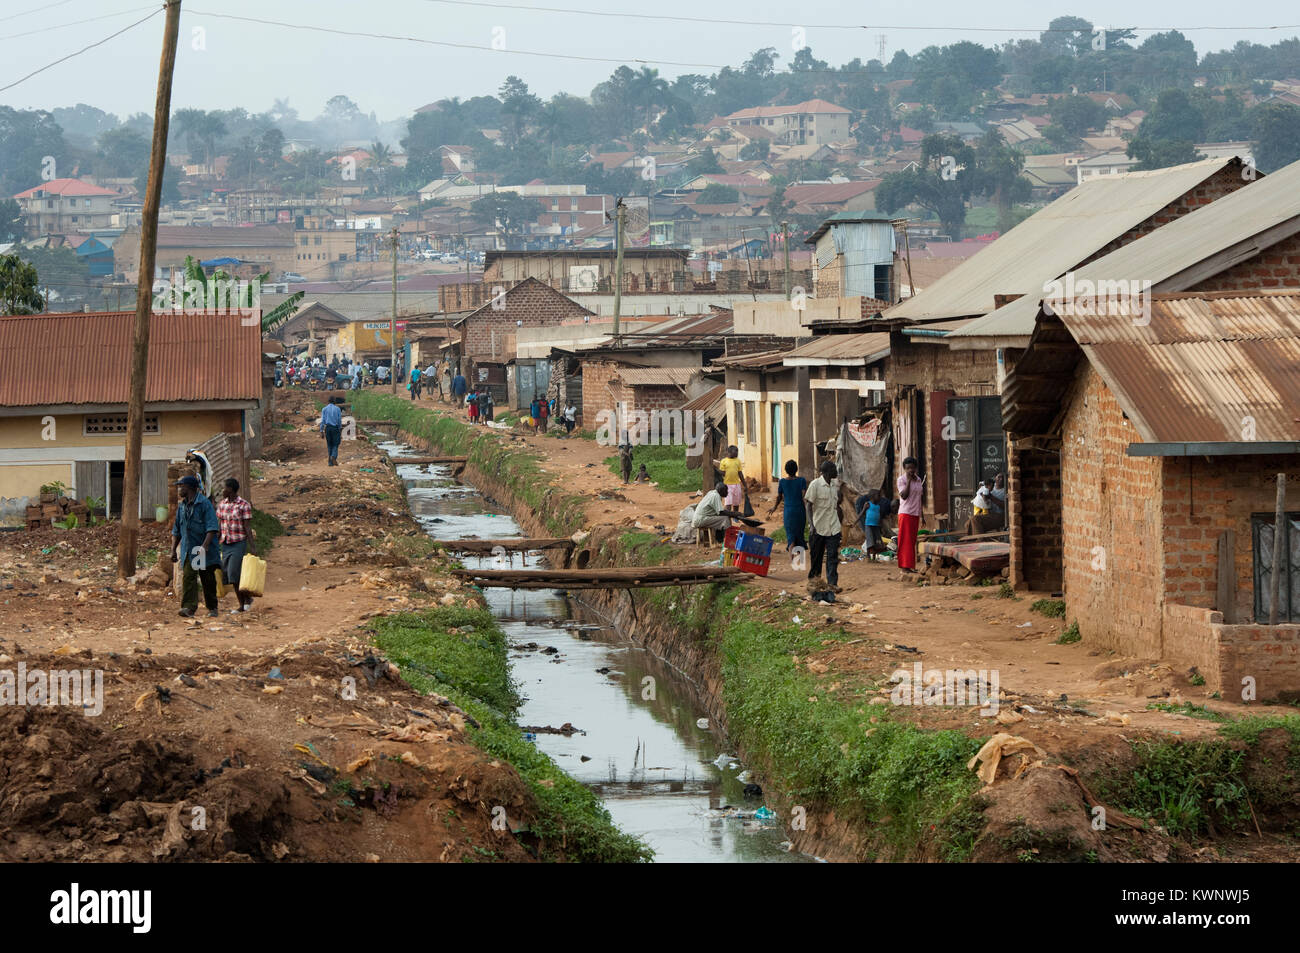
634 577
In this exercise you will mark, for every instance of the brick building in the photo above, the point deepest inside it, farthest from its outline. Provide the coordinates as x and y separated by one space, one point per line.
1144 480
488 333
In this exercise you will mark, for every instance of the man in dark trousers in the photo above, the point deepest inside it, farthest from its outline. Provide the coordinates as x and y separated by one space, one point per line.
459 387
822 500
331 428
196 530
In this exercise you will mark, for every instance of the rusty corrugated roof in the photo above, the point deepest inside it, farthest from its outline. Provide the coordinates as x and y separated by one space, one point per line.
867 347
1207 368
86 358
657 376
713 402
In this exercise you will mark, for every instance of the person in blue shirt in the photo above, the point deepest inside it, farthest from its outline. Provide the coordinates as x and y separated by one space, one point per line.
196 529
331 428
790 491
870 509
458 388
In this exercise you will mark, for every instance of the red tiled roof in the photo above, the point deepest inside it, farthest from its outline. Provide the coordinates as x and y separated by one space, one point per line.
72 187
86 358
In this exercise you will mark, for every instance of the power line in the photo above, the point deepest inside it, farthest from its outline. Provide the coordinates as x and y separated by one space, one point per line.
61 26
478 47
64 59
829 26
40 9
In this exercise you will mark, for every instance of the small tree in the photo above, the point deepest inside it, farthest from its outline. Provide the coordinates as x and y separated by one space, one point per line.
718 195
18 291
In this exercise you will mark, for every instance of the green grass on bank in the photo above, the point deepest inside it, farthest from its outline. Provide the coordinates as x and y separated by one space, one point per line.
265 529
461 653
519 472
666 466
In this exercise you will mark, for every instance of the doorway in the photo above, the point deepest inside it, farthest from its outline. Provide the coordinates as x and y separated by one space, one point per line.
116 474
976 451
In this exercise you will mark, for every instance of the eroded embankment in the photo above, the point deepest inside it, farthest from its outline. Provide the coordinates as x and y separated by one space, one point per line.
857 779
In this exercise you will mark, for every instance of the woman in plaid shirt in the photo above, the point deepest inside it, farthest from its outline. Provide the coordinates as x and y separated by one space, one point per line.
235 517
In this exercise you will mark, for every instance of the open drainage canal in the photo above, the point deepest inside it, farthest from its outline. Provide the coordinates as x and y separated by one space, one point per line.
660 775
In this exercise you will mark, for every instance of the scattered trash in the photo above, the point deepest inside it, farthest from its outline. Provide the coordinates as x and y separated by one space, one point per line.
764 813
702 723
722 760
275 673
529 736
753 792
1024 625
797 621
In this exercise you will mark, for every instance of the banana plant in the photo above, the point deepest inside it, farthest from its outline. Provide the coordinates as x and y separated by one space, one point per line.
201 288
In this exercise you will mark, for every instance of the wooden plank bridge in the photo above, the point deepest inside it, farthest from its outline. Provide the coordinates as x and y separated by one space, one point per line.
634 577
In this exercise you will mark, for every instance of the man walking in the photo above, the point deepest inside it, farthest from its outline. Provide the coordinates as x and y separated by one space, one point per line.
235 517
823 498
331 428
196 529
458 388
415 382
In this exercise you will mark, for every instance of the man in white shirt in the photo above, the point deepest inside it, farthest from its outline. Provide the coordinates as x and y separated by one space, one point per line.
823 498
711 513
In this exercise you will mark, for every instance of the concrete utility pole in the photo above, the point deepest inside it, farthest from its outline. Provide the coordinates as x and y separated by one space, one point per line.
1281 540
785 242
620 220
129 536
392 361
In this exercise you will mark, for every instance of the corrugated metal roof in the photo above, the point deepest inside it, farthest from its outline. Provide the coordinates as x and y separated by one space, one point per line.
757 359
713 402
1205 368
1168 250
869 346
657 376
86 358
1055 239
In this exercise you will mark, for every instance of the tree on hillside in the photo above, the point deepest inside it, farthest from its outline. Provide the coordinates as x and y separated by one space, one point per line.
954 78
519 109
449 123
12 224
1077 115
1067 35
1277 135
704 163
26 138
61 273
171 193
1169 132
18 287
718 195
508 211
998 169
202 130
122 153
942 184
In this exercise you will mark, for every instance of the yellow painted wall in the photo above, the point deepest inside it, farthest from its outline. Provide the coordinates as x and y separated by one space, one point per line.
176 427
25 480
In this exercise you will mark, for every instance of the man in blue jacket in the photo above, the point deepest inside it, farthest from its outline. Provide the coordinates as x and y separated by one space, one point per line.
331 428
196 529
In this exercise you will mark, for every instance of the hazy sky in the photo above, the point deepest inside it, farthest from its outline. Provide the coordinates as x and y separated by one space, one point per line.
224 63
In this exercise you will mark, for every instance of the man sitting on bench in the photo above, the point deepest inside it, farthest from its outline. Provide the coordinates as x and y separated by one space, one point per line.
711 513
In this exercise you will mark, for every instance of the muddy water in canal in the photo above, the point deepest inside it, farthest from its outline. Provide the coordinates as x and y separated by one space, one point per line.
661 776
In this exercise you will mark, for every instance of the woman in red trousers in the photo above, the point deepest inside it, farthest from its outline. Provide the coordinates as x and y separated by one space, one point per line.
911 493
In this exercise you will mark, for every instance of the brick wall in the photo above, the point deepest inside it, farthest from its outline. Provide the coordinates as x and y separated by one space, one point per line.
530 305
1268 654
1202 499
1112 501
1276 267
600 391
1188 637
1034 518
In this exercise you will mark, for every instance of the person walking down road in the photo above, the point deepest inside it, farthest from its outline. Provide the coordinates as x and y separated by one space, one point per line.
570 419
458 388
711 513
732 477
534 412
823 498
415 383
544 408
471 400
196 530
870 509
911 492
485 406
331 428
235 517
625 457
429 380
790 491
